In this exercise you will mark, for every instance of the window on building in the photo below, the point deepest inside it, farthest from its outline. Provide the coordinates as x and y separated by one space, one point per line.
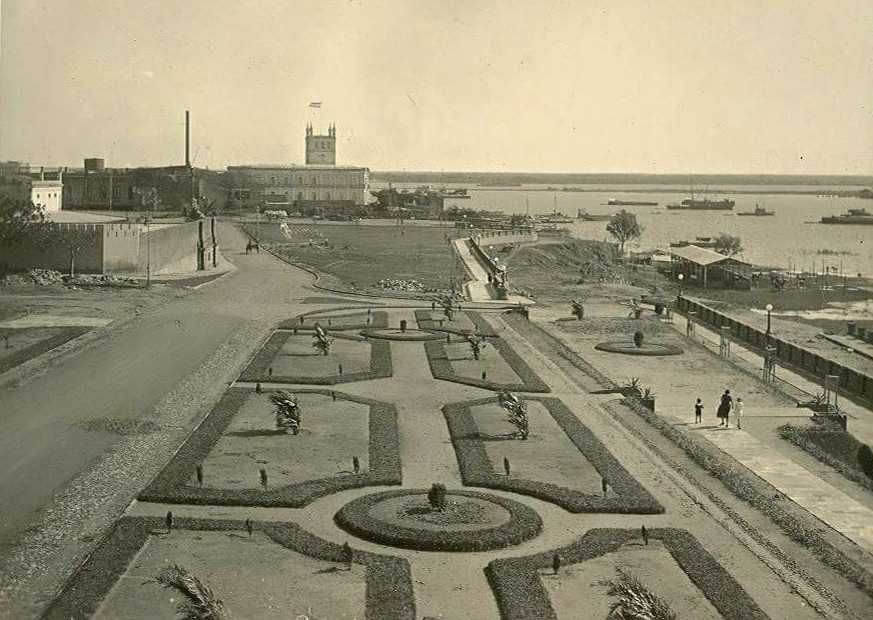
103 192
314 181
116 192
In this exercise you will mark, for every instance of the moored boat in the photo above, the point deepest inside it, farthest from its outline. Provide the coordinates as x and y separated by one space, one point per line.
581 214
630 203
759 211
854 216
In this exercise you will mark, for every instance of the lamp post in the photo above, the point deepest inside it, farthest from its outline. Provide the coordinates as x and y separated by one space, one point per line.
769 309
147 220
680 277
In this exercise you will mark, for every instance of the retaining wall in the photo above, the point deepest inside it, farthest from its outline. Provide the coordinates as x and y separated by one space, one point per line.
498 237
791 355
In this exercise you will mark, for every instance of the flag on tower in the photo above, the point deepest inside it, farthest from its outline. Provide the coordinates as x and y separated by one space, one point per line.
315 104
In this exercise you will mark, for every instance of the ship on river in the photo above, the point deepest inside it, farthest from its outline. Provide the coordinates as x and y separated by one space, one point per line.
759 211
704 204
630 203
854 216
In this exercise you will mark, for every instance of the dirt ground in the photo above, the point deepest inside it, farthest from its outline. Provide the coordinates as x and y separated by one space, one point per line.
14 340
298 357
256 578
331 433
564 465
578 591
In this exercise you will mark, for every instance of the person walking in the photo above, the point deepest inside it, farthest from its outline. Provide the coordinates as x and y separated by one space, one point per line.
698 411
739 410
724 408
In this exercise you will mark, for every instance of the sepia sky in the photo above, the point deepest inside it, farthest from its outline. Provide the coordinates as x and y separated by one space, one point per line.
722 86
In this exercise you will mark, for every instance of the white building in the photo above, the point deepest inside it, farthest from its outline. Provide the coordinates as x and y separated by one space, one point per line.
47 194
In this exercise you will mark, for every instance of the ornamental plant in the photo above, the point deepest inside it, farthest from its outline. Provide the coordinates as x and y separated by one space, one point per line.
436 497
638 339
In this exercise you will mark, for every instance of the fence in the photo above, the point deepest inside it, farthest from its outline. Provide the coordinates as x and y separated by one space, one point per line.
798 359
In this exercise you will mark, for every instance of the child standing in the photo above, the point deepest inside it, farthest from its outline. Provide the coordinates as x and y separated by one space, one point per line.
739 409
698 411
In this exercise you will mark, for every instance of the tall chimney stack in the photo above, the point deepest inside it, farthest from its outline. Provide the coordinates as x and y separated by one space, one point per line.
187 140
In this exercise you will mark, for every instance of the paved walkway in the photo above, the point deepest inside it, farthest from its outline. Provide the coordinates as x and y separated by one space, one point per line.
477 288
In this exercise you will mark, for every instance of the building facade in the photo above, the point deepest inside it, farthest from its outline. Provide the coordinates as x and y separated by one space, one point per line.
47 194
318 183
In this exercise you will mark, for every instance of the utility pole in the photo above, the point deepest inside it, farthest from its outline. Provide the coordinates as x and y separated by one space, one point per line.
191 192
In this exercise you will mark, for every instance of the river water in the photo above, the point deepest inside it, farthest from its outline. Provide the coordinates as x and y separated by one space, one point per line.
787 237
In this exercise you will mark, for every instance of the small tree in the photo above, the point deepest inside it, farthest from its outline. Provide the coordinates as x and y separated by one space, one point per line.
624 227
639 337
70 237
728 244
19 219
322 340
436 496
477 344
446 305
517 412
287 412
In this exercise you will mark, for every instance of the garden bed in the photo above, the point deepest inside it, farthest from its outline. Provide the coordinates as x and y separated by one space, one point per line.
835 448
373 517
518 582
30 342
175 483
627 495
504 368
221 553
286 351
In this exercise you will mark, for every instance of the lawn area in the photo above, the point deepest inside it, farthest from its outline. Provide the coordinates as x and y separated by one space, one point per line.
360 256
255 577
14 340
331 433
565 465
298 358
490 362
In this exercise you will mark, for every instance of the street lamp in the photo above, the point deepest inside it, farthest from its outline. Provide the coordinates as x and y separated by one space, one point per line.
147 220
680 277
769 309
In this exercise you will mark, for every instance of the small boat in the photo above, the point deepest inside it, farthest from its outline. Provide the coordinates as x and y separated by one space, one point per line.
630 203
701 242
581 214
705 204
759 211
854 216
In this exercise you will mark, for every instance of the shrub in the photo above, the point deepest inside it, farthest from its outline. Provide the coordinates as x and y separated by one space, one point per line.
436 497
638 339
199 602
865 460
835 448
636 601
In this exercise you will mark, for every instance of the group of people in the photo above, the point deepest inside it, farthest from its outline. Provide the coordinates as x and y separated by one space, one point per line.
725 407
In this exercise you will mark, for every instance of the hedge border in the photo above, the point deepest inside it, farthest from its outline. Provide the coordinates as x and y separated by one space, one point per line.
381 365
483 328
379 321
171 484
414 336
761 495
389 592
355 518
798 436
65 335
477 470
521 595
617 346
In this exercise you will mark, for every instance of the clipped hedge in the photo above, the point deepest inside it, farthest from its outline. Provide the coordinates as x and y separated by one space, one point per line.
835 448
355 518
63 336
483 328
398 336
477 470
521 595
381 365
378 320
799 526
171 484
389 592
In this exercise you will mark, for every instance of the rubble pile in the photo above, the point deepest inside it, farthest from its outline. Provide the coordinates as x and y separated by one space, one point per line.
409 286
40 277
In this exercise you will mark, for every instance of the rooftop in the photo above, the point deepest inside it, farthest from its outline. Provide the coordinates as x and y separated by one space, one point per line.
292 167
700 256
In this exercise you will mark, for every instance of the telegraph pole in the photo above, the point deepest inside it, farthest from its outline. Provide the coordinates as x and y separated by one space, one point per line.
188 157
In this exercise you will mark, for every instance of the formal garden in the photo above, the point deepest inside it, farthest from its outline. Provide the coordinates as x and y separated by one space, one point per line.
304 506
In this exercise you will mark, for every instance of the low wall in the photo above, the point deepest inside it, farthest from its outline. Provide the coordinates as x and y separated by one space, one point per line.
498 237
796 358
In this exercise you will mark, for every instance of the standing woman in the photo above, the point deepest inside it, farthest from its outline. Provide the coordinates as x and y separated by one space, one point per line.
724 409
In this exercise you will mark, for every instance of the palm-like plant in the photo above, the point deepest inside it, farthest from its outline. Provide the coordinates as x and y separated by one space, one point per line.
287 411
446 305
199 602
635 601
578 309
476 342
322 340
517 412
634 387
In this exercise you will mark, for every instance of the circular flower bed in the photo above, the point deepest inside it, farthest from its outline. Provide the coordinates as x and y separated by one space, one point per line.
470 521
629 348
410 335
